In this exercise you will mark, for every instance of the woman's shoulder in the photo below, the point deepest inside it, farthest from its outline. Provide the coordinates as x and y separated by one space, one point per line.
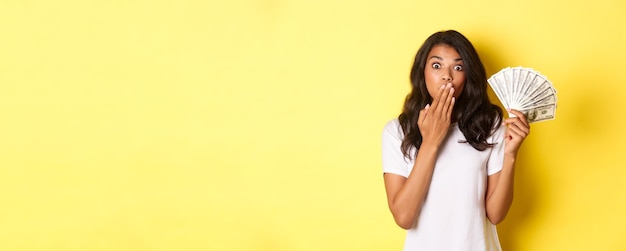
393 128
392 125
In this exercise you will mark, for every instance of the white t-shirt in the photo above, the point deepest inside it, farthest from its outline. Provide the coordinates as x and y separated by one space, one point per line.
453 215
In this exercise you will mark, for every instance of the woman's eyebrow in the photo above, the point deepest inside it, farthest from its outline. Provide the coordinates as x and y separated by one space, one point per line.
440 58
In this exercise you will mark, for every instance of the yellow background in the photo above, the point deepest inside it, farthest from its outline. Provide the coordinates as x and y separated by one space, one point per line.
255 125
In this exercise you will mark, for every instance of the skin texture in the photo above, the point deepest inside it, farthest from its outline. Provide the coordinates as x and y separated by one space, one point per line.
440 72
445 80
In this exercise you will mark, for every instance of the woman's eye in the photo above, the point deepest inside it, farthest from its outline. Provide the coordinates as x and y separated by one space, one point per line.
458 68
436 65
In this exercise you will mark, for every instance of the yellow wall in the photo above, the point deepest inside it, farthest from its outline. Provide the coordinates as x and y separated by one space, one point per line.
255 125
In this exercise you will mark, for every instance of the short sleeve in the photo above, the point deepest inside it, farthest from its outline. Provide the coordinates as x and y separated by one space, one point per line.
393 160
496 158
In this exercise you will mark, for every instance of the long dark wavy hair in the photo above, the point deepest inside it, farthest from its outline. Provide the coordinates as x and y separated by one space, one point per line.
473 111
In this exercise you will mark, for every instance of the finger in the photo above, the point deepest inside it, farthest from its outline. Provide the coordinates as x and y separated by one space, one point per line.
520 115
516 112
449 113
506 135
515 133
516 130
422 115
449 102
444 99
517 123
514 136
437 100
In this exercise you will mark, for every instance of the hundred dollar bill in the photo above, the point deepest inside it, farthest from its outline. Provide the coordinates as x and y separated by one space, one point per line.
523 83
525 90
498 84
540 113
541 88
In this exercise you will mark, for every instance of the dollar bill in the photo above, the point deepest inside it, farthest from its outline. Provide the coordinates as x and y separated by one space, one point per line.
526 90
540 113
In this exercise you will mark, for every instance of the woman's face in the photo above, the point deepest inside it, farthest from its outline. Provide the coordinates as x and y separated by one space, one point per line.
443 66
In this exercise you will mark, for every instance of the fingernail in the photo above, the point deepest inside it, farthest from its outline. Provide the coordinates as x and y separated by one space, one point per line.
442 86
427 105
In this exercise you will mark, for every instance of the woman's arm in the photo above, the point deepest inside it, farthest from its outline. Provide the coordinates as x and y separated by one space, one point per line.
405 196
499 195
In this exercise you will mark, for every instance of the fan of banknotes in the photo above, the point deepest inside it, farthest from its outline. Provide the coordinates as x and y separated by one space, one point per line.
525 90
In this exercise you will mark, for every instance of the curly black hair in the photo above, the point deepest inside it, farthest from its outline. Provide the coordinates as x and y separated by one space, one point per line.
473 111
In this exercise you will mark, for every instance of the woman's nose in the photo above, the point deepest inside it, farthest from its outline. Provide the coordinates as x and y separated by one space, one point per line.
446 77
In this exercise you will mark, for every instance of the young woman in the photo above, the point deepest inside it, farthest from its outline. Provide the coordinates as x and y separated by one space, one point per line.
449 158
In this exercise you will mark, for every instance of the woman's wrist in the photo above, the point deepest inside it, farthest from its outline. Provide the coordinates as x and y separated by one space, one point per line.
510 157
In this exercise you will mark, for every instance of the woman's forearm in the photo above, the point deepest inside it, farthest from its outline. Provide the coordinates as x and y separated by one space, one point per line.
500 197
408 199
